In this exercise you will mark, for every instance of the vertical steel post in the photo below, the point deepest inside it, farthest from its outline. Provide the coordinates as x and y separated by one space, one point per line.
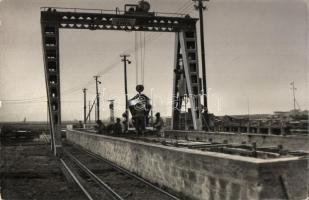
176 100
98 97
125 60
294 99
200 8
85 106
89 107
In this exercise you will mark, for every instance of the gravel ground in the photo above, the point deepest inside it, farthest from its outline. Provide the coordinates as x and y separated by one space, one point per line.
30 171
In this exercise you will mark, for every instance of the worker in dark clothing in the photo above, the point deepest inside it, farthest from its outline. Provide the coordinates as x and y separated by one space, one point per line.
80 125
100 127
117 129
140 119
125 122
158 124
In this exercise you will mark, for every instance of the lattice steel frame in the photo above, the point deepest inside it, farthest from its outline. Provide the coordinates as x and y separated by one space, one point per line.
53 20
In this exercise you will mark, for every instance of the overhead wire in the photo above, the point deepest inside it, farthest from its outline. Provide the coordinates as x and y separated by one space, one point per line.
142 45
148 38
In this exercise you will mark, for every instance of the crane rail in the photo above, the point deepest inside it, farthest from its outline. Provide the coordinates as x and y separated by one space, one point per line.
94 177
67 168
103 184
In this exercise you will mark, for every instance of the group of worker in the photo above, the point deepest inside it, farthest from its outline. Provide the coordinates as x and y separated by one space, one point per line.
118 128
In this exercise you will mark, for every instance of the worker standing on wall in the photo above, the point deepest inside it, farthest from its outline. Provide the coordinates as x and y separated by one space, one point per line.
158 125
125 123
140 120
117 129
99 127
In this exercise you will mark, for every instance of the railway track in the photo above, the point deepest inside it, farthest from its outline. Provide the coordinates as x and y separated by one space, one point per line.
101 179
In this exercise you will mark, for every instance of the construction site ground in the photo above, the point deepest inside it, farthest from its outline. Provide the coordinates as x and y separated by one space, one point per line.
28 170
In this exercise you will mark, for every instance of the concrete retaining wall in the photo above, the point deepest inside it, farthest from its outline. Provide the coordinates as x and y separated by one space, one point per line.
288 142
202 175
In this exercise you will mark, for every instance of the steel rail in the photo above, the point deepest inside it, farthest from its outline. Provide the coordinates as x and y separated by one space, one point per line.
130 174
76 180
101 183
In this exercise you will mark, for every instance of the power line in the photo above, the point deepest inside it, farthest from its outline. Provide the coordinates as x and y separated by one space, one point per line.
149 38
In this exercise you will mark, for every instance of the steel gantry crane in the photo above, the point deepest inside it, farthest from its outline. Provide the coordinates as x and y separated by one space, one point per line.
186 81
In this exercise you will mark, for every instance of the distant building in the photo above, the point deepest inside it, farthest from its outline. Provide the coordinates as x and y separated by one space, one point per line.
291 113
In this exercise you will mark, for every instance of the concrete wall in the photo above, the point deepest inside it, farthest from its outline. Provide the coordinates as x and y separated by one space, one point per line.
288 142
202 175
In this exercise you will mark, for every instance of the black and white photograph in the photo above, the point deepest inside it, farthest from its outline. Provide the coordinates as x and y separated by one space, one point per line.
154 100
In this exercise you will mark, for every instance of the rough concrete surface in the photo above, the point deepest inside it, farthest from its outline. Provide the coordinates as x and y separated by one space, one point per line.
202 175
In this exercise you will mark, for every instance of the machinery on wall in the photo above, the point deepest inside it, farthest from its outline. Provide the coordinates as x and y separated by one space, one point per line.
142 8
140 108
186 80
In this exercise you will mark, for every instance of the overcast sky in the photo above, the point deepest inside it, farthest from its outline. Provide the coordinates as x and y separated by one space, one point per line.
254 49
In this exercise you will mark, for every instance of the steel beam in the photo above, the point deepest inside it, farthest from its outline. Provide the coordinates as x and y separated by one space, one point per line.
124 22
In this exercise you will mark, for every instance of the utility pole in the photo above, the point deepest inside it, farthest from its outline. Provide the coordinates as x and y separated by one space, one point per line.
125 60
97 82
89 107
95 113
111 108
248 125
294 99
200 7
85 104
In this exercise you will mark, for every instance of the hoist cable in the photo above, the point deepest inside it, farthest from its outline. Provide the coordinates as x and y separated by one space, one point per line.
144 57
141 55
136 56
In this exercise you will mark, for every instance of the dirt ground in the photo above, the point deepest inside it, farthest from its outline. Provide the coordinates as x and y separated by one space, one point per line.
30 171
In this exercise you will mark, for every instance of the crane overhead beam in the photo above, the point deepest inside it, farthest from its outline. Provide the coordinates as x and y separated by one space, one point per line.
125 22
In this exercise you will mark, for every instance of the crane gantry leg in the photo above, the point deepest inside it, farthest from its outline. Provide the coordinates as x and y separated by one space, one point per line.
186 69
50 39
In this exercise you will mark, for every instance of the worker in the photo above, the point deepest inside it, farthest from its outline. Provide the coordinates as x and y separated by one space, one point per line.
117 129
158 125
125 122
109 128
140 121
99 127
80 124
